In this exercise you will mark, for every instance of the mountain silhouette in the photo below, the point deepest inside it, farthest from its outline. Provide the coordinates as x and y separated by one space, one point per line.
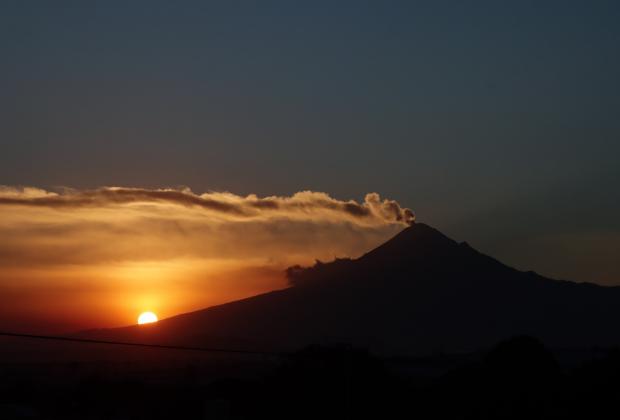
417 293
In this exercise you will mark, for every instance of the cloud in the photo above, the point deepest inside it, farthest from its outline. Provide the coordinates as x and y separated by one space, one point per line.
304 204
128 224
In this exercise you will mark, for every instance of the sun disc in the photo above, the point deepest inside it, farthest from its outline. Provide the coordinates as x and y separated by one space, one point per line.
147 318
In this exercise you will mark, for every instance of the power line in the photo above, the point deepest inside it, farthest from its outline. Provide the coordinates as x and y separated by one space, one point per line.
128 343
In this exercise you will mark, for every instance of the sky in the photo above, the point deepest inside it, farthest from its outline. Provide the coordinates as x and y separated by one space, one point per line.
495 122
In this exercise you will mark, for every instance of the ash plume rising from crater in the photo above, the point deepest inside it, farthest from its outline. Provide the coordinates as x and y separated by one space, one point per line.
308 204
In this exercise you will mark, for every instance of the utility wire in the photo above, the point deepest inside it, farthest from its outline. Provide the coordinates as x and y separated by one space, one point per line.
128 343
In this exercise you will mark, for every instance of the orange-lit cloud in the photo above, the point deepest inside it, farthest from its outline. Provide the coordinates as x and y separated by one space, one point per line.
305 204
124 248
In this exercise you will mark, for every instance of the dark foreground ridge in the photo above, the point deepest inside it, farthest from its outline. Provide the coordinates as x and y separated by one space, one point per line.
518 378
419 293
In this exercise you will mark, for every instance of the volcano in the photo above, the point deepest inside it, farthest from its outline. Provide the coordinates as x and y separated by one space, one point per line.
419 292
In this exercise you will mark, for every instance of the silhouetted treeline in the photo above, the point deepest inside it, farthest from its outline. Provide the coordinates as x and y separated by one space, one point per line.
517 379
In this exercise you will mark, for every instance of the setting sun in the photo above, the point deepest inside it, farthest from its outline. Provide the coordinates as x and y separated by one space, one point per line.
147 318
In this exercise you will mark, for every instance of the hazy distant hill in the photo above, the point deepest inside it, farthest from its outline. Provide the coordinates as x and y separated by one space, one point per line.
419 292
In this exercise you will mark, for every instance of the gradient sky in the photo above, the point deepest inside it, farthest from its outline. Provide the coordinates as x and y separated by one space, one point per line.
496 122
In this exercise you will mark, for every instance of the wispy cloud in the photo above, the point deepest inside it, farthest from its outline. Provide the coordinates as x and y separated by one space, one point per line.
304 204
